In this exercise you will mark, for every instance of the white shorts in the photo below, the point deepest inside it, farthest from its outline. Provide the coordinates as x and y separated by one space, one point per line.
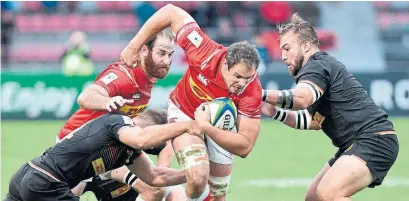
216 153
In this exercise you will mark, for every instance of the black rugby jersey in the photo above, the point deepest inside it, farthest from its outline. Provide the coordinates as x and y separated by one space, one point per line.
91 150
345 110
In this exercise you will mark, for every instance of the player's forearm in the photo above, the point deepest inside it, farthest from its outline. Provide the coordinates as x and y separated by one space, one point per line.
167 177
153 136
294 99
163 18
93 100
235 143
300 119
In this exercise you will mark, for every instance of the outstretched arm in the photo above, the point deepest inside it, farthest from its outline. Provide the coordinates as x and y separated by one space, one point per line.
300 119
152 136
299 98
168 15
144 169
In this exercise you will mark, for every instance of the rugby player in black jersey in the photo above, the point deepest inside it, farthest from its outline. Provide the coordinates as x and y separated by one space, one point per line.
327 96
103 144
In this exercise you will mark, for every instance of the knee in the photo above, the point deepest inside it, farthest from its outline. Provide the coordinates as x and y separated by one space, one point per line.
197 177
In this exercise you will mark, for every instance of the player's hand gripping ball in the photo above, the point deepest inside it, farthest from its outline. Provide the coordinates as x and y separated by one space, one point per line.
222 112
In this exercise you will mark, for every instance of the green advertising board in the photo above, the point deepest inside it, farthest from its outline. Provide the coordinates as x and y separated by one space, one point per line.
54 96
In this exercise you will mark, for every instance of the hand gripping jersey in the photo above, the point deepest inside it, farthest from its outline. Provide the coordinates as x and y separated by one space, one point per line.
118 80
203 81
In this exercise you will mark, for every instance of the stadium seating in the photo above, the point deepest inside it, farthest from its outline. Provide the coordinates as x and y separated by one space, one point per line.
393 25
89 23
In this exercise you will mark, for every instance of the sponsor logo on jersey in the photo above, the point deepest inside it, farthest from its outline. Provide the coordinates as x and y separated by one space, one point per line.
203 79
120 191
109 78
136 97
318 118
199 92
132 111
99 166
195 38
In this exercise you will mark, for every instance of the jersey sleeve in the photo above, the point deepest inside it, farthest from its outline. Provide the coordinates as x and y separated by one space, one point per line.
117 121
250 102
198 47
316 73
114 81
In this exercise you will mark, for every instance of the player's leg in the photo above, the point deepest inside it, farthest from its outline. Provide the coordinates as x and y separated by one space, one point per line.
36 185
14 184
191 154
311 194
364 164
347 176
220 170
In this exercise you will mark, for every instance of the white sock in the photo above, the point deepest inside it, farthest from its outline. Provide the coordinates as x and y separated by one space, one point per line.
139 198
203 196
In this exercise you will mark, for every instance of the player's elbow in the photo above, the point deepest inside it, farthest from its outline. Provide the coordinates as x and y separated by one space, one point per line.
157 180
245 152
170 8
81 100
139 143
302 102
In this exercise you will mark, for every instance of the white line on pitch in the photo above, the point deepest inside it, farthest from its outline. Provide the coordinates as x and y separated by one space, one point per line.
304 182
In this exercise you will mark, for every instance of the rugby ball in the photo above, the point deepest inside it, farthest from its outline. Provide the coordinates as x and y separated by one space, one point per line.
223 113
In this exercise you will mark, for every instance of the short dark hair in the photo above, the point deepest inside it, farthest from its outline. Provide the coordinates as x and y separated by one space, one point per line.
164 33
242 52
301 27
155 115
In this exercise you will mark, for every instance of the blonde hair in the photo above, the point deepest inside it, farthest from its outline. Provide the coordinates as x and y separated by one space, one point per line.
301 27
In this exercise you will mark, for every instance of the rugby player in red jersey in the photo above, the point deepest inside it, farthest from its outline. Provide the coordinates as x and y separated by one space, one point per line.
214 71
127 90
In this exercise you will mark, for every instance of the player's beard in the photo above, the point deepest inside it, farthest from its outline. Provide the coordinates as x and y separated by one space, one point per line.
154 69
299 60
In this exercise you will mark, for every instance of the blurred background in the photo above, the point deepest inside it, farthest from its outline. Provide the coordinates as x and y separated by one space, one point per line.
51 50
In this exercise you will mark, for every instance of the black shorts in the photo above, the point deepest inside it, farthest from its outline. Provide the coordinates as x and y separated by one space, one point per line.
379 152
29 184
110 190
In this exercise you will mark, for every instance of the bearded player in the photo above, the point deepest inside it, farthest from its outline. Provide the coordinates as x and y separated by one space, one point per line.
127 90
214 71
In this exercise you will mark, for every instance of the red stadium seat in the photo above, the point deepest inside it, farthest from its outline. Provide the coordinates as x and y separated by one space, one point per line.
90 23
124 6
53 52
73 22
109 22
129 22
22 23
32 5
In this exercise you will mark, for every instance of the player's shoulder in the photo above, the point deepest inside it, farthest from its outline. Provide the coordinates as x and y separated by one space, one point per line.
319 63
114 68
116 72
114 118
